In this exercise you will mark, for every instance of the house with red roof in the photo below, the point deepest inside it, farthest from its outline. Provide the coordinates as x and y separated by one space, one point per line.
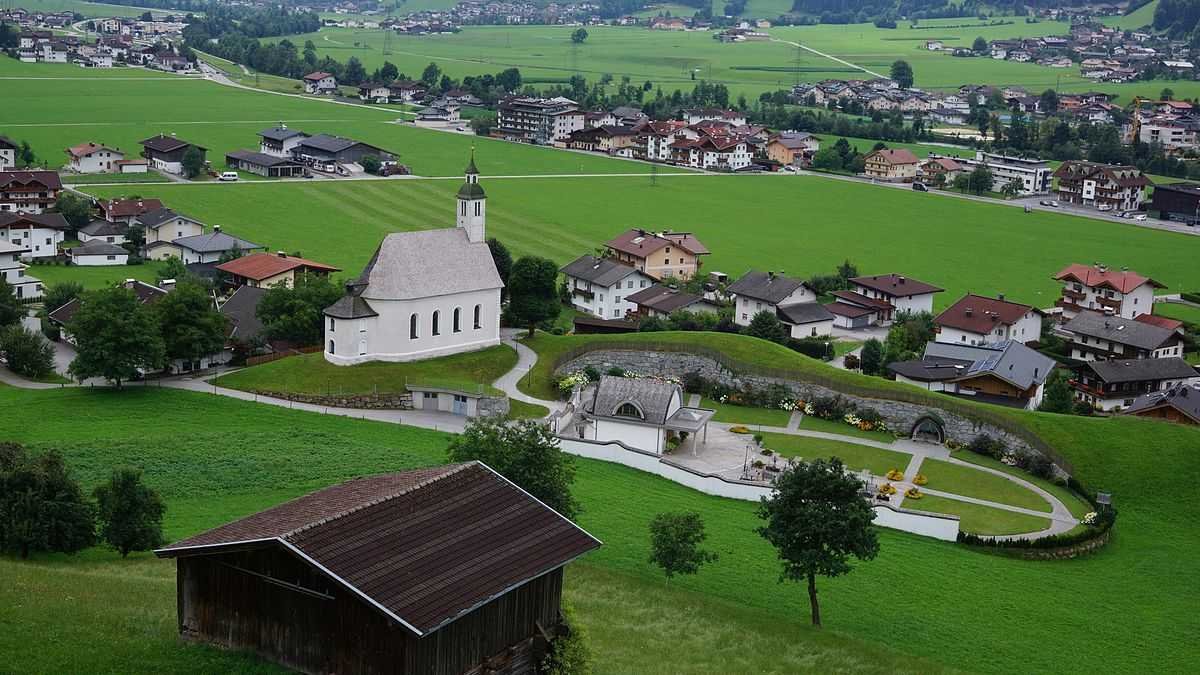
891 164
1123 293
658 254
93 158
1108 187
980 320
264 270
320 83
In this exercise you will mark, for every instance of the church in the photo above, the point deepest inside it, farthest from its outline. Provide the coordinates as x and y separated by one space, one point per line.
423 294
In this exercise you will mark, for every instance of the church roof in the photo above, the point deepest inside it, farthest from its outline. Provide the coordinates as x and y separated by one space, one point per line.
428 263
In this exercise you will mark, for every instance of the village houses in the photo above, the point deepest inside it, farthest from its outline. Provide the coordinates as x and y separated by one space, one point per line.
980 320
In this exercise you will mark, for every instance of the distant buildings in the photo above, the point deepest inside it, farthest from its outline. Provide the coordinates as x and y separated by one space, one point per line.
1032 175
660 255
891 164
791 300
1106 187
1121 293
165 153
28 191
979 320
1117 383
537 120
320 83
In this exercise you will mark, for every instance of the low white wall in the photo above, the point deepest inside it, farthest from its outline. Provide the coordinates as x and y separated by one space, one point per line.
929 525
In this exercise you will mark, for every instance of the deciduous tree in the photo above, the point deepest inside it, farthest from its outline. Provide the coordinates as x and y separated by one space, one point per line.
190 325
579 35
817 519
503 261
28 353
871 357
75 209
42 508
11 310
902 73
295 314
1057 396
675 540
192 162
533 291
129 513
116 337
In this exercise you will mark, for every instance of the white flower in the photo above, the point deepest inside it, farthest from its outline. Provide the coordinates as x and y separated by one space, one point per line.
1090 518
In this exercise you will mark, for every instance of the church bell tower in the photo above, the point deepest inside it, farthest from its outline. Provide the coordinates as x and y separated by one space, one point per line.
472 204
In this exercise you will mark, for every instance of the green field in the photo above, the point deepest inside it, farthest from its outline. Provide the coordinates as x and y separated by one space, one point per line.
94 277
215 459
802 224
312 374
1178 311
746 415
1141 17
978 519
1078 507
963 480
856 457
88 9
812 423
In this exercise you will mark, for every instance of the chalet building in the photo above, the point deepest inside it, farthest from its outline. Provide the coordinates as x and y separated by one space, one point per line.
660 255
877 299
320 83
1125 294
1006 372
374 92
262 164
127 210
1179 403
659 301
406 91
28 191
602 287
1179 202
97 253
450 569
93 158
611 139
40 234
8 154
163 224
888 164
791 300
698 115
939 171
712 152
537 120
1107 187
979 320
264 270
1095 336
794 148
12 272
1116 384
280 141
105 231
165 153
200 248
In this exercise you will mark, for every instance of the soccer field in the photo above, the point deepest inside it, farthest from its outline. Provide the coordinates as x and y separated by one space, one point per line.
801 224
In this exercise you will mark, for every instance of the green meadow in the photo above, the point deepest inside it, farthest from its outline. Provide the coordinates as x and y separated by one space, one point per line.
802 225
920 601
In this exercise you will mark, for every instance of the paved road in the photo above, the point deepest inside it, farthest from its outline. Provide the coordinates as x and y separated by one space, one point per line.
830 57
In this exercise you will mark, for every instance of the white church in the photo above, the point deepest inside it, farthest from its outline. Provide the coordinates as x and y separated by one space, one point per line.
423 294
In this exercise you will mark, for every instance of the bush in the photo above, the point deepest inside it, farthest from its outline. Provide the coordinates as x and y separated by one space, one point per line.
870 415
28 354
814 347
830 407
592 373
987 446
568 653
851 362
695 383
616 371
557 330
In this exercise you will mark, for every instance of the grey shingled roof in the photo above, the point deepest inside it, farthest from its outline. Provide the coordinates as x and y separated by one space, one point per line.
798 313
280 133
652 397
97 247
104 228
1116 329
602 271
329 143
258 158
664 298
212 242
1138 370
1009 360
428 263
241 309
1184 398
763 286
155 219
350 307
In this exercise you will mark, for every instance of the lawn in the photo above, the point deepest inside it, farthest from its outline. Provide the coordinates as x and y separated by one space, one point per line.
94 178
962 480
520 410
794 223
1078 507
312 374
856 457
813 423
215 459
978 519
747 415
1179 311
94 277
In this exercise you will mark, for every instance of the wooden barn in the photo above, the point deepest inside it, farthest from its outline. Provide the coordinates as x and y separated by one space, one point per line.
446 570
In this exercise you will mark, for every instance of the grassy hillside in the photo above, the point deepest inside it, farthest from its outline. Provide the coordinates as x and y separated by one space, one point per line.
215 459
804 225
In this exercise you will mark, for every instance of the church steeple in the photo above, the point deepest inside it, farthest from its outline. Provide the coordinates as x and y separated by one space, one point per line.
471 213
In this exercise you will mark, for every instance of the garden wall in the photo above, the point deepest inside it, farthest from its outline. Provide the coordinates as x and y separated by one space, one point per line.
488 405
934 525
899 415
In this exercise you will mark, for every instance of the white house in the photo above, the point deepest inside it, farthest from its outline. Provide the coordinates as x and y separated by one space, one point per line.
199 248
8 154
280 140
602 286
12 272
878 298
163 224
1122 293
1115 384
978 320
320 83
423 294
93 158
759 291
40 234
1095 336
97 253
105 231
374 92
645 414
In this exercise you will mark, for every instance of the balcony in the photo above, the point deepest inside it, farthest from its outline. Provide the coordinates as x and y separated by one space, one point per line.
588 295
1073 294
1114 303
1067 304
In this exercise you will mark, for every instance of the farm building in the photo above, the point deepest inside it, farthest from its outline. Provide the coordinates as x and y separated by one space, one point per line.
444 570
262 164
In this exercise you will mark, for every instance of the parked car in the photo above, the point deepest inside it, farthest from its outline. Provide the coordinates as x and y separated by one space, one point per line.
1140 216
229 176
920 187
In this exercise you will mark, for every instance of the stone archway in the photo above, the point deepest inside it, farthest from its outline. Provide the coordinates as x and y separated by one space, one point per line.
929 429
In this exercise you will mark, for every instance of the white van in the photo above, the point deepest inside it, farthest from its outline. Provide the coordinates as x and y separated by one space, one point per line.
228 176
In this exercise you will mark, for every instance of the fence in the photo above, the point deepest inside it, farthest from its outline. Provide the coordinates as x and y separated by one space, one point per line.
845 382
275 356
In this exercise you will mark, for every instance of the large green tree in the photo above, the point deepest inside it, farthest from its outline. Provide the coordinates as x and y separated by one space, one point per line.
767 326
76 209
11 310
817 519
533 292
190 324
1057 396
503 261
675 540
526 453
27 353
579 35
902 73
129 513
871 357
42 508
192 162
295 314
116 337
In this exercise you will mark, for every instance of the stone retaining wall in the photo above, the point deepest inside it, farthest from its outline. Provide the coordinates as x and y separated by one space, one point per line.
900 416
1060 553
488 405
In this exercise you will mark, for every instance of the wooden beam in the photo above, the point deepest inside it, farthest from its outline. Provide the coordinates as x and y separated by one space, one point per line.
281 583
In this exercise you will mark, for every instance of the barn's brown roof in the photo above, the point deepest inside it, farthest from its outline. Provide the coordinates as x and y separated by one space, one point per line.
259 266
980 314
424 546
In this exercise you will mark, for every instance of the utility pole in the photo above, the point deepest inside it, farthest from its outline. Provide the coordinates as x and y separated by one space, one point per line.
654 176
